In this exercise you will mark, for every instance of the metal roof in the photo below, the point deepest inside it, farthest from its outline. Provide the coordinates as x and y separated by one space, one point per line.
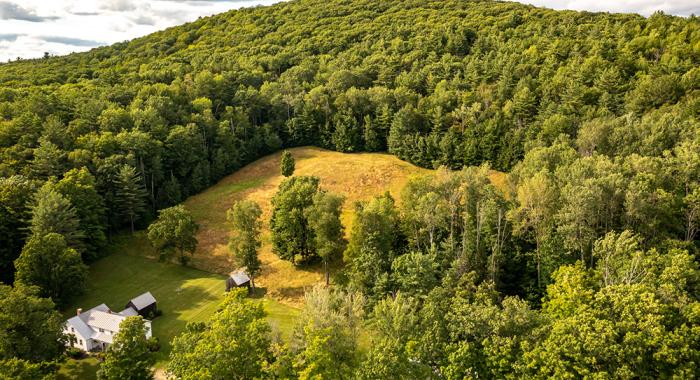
143 301
100 307
239 277
80 327
102 337
129 312
101 320
88 324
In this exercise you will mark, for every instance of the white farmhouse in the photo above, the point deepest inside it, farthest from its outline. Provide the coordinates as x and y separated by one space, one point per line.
95 329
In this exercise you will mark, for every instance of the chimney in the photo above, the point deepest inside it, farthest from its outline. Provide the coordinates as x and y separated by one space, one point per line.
79 311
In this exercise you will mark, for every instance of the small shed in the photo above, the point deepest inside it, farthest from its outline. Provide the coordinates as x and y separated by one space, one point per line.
145 305
237 279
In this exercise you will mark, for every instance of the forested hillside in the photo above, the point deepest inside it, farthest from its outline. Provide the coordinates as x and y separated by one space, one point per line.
584 264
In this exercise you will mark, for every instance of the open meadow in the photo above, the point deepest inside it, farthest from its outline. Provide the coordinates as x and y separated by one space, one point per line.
183 294
192 294
358 176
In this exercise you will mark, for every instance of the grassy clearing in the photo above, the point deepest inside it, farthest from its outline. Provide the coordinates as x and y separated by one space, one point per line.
358 176
191 295
84 369
184 295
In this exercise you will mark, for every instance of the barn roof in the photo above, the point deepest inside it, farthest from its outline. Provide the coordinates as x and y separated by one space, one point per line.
143 301
239 277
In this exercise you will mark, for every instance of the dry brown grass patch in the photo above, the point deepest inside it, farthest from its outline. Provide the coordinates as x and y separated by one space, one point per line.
358 176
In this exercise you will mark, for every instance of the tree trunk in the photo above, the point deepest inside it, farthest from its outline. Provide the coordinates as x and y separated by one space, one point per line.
328 275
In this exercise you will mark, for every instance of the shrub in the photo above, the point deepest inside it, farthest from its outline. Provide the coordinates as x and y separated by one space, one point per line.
153 344
74 353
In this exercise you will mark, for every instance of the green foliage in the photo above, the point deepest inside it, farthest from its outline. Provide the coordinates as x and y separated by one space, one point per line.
621 314
30 329
130 195
174 231
244 243
22 369
129 356
47 262
324 220
437 83
287 164
15 195
396 324
291 233
536 198
234 344
78 186
415 273
49 160
325 339
371 247
54 213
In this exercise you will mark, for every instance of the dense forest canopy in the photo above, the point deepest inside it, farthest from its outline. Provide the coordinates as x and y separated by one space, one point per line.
588 251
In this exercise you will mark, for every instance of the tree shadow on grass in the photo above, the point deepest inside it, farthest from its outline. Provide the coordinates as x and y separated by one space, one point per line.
258 293
79 369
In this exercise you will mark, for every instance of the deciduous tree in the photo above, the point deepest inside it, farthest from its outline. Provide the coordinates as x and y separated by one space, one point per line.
244 217
233 344
48 262
128 357
324 220
325 338
291 234
175 230
371 247
287 164
30 327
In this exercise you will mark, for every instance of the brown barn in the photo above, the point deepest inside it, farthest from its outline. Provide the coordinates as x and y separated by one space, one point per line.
237 279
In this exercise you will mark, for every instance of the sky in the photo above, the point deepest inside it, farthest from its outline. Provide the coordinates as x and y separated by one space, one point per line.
29 28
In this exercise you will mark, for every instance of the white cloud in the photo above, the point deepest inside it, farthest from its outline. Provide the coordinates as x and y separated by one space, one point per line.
643 7
12 11
119 5
28 28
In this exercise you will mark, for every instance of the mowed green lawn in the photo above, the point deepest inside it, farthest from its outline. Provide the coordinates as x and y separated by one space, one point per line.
183 294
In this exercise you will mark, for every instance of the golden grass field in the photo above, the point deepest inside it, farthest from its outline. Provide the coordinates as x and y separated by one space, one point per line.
357 176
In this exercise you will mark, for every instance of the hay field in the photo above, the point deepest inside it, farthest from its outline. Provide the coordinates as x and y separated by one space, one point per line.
358 176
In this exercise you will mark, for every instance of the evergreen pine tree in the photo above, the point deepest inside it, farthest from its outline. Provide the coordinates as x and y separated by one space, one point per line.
130 195
52 212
